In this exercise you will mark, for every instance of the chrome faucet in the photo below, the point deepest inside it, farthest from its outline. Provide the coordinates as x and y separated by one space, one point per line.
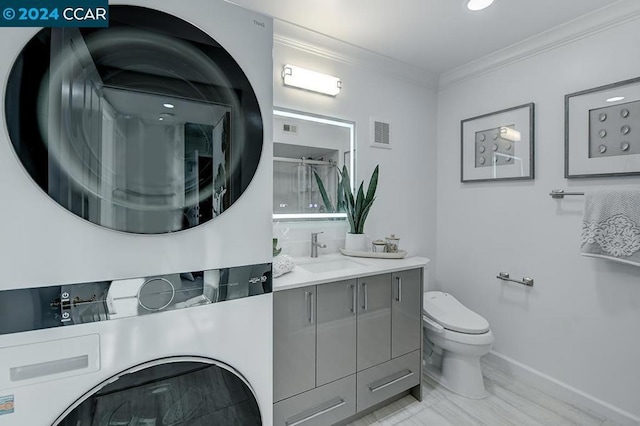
315 244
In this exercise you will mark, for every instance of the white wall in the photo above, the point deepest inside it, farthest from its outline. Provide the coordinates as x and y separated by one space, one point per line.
580 323
372 86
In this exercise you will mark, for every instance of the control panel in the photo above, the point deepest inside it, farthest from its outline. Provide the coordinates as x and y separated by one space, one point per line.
79 303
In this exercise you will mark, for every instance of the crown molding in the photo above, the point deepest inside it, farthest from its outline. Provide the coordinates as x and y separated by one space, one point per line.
618 13
308 41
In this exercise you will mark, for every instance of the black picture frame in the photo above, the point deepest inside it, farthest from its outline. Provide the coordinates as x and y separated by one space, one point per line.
498 146
602 131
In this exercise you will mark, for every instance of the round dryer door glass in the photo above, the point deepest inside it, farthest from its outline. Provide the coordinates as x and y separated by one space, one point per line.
148 126
169 393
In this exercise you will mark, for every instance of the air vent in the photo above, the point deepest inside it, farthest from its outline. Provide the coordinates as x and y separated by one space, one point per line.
380 134
290 128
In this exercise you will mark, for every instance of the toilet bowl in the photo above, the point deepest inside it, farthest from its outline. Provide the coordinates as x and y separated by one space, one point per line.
460 337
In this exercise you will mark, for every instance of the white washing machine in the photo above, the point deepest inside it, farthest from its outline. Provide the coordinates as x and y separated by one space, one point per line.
177 349
136 253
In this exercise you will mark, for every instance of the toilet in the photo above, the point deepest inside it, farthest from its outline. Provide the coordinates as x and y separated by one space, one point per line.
456 338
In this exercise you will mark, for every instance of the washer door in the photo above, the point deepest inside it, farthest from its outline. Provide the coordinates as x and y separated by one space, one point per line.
148 126
168 392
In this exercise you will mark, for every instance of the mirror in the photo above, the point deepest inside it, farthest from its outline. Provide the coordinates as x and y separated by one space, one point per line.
307 150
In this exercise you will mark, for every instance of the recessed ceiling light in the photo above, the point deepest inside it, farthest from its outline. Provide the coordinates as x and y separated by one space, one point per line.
615 99
478 4
168 105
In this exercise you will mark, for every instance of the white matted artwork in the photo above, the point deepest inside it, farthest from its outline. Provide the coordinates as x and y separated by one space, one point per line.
498 145
380 133
602 131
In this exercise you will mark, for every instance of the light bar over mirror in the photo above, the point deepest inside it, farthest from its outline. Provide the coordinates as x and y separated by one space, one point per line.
303 78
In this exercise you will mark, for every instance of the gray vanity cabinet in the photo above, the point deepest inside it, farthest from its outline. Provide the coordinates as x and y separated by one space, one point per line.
374 320
314 337
314 352
294 342
342 347
336 331
406 312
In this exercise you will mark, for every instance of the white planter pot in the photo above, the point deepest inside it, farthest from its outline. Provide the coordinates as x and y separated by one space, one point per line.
355 242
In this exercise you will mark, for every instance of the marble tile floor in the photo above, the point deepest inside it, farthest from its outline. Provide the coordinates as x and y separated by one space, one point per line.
509 403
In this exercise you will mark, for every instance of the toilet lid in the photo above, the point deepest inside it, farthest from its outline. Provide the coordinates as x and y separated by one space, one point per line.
453 315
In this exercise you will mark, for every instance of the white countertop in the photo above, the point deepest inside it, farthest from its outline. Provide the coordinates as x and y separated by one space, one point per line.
324 264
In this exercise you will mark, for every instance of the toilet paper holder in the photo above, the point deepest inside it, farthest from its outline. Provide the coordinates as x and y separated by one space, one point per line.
525 281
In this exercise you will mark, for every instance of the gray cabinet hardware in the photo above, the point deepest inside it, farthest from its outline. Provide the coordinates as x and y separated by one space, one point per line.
365 303
308 297
354 298
316 412
388 381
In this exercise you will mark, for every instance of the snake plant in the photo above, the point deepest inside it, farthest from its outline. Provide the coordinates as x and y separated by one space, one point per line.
358 208
328 205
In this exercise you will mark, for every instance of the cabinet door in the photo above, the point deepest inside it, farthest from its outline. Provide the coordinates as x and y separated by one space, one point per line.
336 331
406 315
374 320
294 342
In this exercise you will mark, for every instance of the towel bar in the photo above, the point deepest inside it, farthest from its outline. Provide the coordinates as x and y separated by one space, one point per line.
525 281
560 193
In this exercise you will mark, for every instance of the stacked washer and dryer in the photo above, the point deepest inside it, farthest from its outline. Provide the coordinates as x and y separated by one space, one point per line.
135 228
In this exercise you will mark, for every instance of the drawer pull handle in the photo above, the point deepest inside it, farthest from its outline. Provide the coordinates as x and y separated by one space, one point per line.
318 411
403 375
399 281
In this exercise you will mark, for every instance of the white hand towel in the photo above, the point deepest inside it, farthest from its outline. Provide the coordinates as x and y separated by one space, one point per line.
611 225
282 264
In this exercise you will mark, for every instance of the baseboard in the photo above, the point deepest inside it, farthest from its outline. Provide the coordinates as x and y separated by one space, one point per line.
561 390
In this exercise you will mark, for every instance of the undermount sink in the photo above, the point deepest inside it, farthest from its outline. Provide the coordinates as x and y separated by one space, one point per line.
329 265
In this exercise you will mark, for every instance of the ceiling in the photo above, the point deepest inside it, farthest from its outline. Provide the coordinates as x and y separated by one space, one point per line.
434 35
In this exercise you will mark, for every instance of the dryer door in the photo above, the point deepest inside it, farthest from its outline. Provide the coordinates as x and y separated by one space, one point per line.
148 126
168 392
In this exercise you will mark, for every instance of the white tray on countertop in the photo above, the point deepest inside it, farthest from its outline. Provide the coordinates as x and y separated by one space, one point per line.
354 253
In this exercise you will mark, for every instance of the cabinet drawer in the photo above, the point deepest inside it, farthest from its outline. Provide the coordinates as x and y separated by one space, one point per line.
321 406
388 379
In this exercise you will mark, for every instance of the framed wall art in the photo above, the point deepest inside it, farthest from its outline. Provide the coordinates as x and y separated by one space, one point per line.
602 131
498 145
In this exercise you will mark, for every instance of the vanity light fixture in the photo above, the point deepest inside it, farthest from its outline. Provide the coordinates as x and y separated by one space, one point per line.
311 80
615 99
476 5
